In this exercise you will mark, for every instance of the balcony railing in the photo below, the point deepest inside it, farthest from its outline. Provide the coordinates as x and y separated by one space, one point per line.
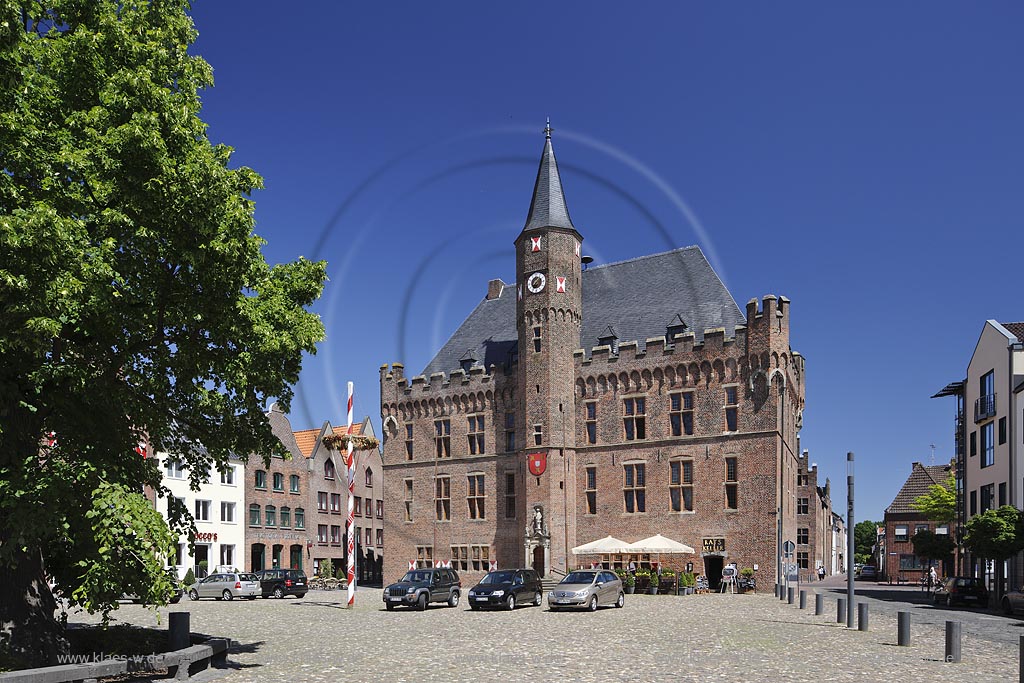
984 407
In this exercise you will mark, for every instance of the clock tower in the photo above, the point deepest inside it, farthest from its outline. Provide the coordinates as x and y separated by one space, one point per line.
548 315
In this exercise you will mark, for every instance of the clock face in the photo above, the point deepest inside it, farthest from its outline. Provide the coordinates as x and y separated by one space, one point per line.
535 283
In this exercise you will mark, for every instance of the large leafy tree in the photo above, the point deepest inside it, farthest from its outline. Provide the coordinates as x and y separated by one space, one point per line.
134 301
865 535
996 535
939 504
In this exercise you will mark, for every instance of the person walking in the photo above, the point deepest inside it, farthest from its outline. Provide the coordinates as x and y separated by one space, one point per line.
821 572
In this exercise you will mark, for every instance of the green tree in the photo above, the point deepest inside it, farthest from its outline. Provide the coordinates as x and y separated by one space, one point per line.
327 569
865 535
135 302
939 504
996 535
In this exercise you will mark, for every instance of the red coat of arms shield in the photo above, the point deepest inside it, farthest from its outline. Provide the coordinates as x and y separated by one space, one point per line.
538 462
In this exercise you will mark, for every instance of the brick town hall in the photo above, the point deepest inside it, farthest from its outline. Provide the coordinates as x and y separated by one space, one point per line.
629 399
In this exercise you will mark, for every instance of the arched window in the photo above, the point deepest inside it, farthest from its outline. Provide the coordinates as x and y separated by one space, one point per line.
271 515
278 481
328 469
369 477
261 479
254 515
286 517
300 518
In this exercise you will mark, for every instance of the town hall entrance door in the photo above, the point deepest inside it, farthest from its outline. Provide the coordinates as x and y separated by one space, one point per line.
538 561
713 568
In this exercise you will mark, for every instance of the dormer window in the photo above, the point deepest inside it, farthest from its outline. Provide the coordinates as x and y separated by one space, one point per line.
329 470
609 338
467 361
675 327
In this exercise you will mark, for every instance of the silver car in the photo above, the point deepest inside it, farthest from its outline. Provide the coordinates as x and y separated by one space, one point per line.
226 587
588 589
1013 601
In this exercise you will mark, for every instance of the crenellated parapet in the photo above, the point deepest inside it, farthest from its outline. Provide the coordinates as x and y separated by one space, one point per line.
459 391
755 355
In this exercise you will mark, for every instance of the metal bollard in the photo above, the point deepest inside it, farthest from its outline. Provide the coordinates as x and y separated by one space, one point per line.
1022 659
803 599
862 616
776 590
840 610
178 630
903 628
782 592
789 595
953 641
819 604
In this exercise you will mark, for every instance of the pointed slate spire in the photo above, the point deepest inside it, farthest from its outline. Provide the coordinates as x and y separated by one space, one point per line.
547 209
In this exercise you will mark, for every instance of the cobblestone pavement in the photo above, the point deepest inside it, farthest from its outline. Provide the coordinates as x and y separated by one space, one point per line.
654 638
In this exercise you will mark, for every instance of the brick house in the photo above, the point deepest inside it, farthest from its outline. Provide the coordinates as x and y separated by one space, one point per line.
277 508
902 521
814 520
328 501
630 399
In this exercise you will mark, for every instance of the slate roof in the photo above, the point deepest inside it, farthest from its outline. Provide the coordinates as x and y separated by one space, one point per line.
917 484
547 208
639 298
1016 329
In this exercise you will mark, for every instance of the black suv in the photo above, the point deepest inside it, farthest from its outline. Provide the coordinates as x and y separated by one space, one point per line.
507 588
282 582
421 586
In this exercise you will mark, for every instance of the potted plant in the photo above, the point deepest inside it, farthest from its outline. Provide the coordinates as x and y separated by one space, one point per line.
652 587
203 565
746 580
668 582
643 579
687 581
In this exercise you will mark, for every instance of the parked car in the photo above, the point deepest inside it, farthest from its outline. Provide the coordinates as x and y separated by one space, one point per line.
282 582
961 590
868 573
1013 601
422 586
226 587
179 589
588 589
507 588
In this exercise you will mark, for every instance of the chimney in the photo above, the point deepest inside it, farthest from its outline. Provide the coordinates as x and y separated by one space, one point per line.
494 288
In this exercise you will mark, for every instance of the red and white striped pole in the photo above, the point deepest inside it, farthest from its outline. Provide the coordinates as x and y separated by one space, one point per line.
350 466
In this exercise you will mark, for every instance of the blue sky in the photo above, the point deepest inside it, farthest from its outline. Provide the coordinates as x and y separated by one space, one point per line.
865 161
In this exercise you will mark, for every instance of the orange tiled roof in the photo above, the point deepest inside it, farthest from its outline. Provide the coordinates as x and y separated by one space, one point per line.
306 438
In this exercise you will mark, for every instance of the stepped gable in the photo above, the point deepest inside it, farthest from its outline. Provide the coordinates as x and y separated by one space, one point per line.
920 480
637 297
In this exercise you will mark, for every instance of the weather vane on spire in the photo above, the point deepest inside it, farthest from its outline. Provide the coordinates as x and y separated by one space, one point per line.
548 129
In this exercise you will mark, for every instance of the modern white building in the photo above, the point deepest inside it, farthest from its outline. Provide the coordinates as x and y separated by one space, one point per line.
989 435
218 508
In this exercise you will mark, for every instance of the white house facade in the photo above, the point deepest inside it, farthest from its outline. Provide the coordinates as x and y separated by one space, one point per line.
218 508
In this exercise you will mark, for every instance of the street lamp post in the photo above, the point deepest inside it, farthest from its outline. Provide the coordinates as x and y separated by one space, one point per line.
849 540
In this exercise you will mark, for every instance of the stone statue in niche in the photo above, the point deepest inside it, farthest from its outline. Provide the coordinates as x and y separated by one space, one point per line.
538 525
